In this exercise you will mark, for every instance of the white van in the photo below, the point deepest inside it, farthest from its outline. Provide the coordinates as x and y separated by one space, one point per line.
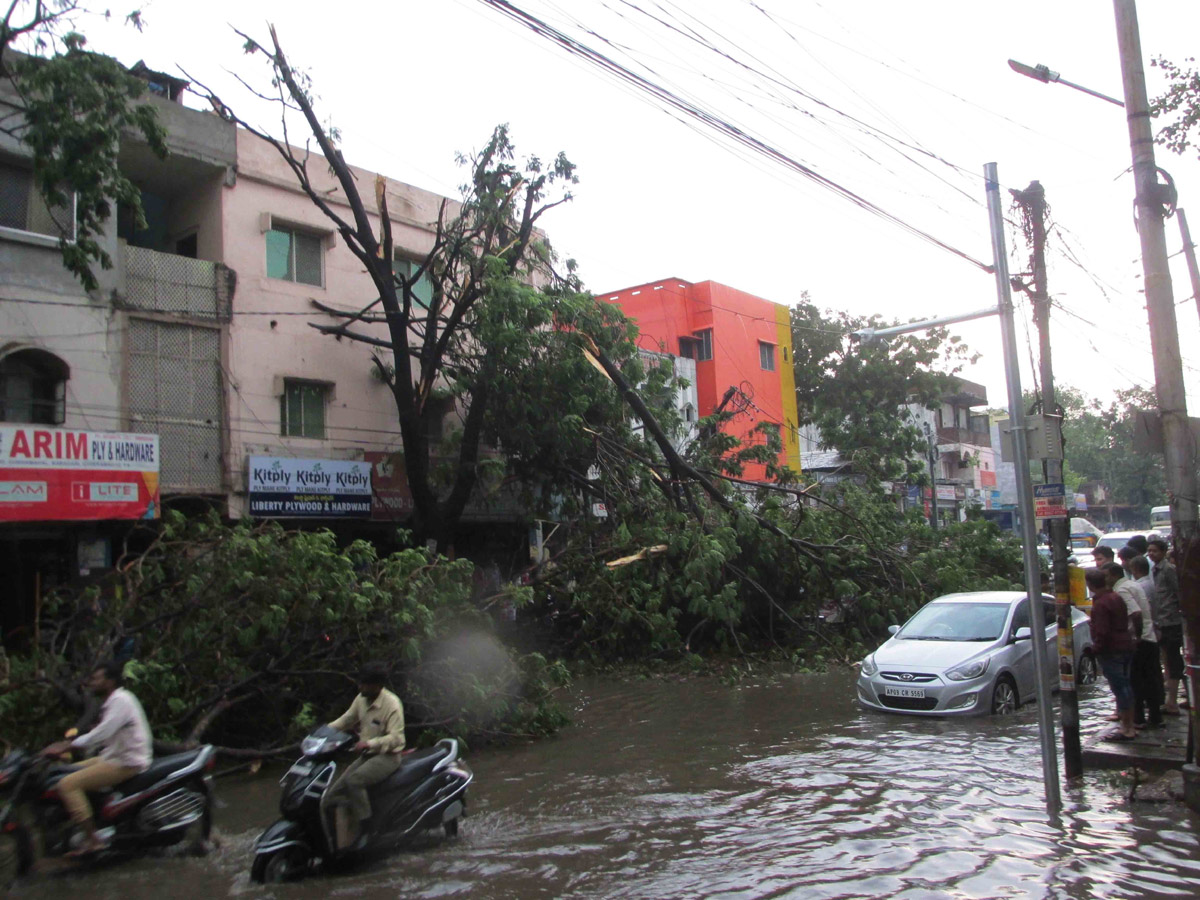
1160 519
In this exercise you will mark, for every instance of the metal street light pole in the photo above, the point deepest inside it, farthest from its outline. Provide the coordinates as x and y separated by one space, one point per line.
1033 586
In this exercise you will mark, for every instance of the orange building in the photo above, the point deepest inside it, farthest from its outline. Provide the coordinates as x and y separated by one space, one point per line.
738 341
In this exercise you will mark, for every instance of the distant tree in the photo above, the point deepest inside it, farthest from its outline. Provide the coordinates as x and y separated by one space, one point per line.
1181 100
1098 444
68 107
858 392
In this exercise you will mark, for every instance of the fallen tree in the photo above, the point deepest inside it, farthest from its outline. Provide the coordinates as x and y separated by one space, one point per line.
247 635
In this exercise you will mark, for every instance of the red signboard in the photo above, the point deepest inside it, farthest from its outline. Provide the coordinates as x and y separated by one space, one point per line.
987 479
55 474
391 500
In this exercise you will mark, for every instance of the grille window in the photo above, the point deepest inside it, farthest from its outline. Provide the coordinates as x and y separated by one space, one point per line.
302 409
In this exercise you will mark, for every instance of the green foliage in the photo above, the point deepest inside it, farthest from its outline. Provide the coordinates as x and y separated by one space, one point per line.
1181 100
1098 445
858 392
71 111
246 635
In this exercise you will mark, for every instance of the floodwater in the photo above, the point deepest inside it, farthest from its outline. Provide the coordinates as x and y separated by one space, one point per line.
772 788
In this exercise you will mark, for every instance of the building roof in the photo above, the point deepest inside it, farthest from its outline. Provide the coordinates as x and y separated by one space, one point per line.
822 460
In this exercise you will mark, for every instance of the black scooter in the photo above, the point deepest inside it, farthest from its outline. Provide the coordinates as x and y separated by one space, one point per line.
427 791
168 803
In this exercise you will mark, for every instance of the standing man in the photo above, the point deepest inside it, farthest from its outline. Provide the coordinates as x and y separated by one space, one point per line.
378 717
1139 566
1168 619
1145 674
1113 646
123 736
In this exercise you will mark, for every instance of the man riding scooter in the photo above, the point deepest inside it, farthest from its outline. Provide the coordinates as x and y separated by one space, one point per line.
123 736
378 716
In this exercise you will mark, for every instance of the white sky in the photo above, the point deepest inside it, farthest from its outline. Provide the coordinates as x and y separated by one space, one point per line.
411 82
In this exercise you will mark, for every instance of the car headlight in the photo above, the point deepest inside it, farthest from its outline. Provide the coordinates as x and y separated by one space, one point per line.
966 671
868 666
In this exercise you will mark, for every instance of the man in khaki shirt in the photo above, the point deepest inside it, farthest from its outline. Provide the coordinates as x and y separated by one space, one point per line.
378 716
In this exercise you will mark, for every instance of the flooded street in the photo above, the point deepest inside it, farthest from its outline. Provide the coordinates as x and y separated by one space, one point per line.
773 788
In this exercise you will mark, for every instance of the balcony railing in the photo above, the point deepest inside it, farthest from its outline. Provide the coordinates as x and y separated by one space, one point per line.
179 285
964 436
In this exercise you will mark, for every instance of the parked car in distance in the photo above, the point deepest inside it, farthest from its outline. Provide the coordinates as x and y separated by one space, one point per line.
968 654
1118 539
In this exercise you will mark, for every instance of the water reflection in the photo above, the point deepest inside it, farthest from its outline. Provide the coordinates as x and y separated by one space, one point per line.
775 789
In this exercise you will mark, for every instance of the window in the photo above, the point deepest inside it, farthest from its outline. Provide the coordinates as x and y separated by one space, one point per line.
302 409
294 256
23 208
687 347
704 348
766 356
33 387
423 290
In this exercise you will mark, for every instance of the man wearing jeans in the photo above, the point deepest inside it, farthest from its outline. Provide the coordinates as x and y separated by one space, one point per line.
123 736
1113 645
378 717
1168 620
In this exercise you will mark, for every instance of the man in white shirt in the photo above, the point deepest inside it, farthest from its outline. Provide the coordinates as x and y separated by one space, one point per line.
1147 698
124 739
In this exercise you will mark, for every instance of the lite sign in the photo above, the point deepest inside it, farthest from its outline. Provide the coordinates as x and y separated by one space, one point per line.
284 488
56 474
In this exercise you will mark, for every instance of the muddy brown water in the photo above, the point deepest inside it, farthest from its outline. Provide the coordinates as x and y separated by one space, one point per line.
773 788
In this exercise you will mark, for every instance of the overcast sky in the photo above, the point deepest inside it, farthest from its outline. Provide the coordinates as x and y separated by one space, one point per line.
901 103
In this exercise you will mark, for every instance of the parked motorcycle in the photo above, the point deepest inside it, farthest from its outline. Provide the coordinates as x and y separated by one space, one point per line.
168 803
427 791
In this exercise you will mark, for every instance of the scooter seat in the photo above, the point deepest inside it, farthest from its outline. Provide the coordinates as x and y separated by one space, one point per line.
417 766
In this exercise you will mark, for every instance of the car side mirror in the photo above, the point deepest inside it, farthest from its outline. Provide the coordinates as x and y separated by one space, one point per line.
892 629
1023 633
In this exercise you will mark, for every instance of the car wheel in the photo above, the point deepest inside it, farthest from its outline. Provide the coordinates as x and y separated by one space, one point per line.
1088 669
1004 697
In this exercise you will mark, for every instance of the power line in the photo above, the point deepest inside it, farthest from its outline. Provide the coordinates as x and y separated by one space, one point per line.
719 124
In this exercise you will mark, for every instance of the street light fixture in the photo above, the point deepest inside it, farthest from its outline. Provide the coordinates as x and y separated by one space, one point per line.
1046 75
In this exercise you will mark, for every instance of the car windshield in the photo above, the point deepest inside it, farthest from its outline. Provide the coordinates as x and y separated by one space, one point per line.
956 622
1115 542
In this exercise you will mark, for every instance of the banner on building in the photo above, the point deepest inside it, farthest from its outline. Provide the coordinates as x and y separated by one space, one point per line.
391 500
946 492
283 488
57 474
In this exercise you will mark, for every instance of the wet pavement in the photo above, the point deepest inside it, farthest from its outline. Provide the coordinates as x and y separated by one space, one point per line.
771 788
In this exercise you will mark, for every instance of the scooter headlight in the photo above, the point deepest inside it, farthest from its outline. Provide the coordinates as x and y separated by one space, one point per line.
311 746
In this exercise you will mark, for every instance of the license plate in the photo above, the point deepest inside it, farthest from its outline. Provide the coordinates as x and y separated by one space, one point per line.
890 691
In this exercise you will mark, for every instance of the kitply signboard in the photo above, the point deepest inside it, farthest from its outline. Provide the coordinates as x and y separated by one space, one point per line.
284 488
57 474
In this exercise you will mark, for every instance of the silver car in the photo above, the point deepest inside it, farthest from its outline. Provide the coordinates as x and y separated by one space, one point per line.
968 654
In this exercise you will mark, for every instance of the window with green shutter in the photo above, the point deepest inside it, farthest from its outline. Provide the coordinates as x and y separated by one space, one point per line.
294 256
302 409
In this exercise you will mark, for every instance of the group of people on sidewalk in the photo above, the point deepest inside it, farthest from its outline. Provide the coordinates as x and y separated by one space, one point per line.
1137 632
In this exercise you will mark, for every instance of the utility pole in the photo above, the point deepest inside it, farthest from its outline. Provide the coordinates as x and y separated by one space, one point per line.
1160 301
1033 201
1033 584
1178 449
931 457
